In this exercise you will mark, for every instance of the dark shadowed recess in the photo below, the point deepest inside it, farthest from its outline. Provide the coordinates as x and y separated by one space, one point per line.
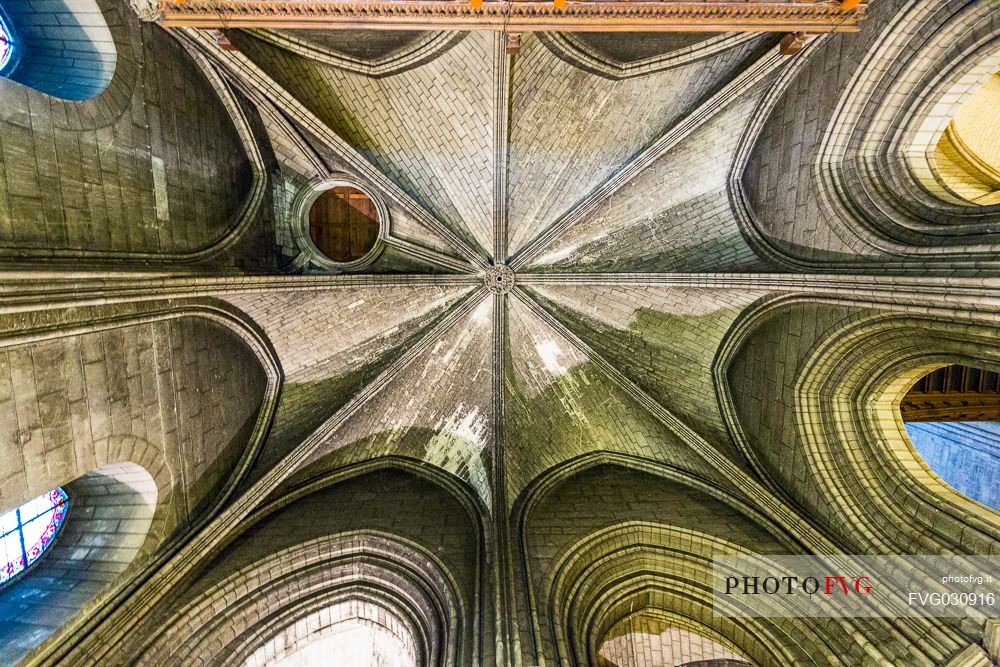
360 44
627 48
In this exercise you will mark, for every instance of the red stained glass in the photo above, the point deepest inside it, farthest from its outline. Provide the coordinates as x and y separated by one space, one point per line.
6 44
29 530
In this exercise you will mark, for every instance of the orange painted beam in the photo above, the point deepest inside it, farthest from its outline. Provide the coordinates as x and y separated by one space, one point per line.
520 15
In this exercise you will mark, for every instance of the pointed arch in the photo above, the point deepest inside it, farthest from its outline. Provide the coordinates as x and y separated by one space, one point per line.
108 531
832 435
85 375
588 564
379 510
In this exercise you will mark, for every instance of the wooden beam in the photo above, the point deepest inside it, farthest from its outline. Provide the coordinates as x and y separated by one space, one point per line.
951 408
954 393
518 16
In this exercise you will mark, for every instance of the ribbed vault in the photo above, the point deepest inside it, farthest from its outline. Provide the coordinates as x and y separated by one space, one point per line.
623 294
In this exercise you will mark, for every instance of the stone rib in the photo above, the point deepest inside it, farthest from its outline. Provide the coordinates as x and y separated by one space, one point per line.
501 139
52 291
213 535
981 291
507 635
243 69
280 123
751 487
741 83
427 254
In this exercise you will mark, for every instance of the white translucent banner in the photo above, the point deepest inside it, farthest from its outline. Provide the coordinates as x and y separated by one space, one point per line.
749 585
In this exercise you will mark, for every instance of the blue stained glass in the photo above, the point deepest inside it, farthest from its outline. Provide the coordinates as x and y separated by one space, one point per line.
25 533
6 44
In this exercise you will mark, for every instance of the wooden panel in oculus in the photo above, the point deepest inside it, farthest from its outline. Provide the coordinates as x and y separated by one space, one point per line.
344 224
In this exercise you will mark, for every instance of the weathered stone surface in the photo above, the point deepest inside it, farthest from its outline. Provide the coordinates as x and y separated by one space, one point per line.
480 467
166 174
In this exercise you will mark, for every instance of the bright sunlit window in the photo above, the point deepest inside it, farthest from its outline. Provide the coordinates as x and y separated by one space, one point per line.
354 642
29 530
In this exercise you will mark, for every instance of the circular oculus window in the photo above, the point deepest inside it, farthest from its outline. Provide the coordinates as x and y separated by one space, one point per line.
344 224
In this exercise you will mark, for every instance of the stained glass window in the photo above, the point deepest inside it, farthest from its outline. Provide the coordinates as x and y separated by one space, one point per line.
29 530
6 44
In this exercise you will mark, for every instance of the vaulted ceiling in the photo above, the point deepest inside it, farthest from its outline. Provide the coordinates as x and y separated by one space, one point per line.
651 289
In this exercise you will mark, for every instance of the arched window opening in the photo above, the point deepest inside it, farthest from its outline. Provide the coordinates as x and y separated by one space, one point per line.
6 44
952 416
30 530
65 50
112 511
647 639
355 642
354 632
967 156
